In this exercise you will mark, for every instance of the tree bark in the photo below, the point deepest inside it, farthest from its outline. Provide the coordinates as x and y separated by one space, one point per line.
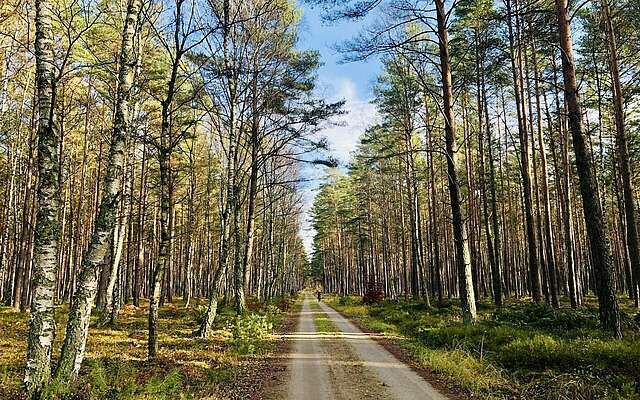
525 165
547 223
226 201
73 348
42 325
594 221
630 212
465 281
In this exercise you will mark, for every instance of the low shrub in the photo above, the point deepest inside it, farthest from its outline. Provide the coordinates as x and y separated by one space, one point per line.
284 304
374 294
107 378
164 387
249 330
346 300
199 313
542 316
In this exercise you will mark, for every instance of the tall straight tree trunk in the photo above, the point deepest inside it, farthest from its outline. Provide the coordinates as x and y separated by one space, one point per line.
630 212
22 259
247 256
548 231
465 281
525 165
110 310
188 269
594 221
434 231
236 206
138 272
73 348
163 250
164 160
225 215
42 325
565 187
494 263
412 202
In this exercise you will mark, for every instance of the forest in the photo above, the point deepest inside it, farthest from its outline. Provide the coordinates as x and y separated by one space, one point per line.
500 181
152 241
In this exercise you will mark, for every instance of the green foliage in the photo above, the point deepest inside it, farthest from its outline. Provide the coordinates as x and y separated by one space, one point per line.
542 316
116 379
199 312
464 370
166 387
542 352
345 300
116 366
111 379
249 330
522 350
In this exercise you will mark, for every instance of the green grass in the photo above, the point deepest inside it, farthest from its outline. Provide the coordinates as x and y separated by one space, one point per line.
522 350
321 321
187 367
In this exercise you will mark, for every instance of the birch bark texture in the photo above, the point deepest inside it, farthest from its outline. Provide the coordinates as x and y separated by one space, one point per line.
42 325
101 243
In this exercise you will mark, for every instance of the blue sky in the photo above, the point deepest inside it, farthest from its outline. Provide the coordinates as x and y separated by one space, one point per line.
350 82
317 35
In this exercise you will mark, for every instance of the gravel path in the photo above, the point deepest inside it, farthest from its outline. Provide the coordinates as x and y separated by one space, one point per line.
309 367
347 365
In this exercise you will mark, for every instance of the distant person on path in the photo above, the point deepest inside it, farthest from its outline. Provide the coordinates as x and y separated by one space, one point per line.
318 293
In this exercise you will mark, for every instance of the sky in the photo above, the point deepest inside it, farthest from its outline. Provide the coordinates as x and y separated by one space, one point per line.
351 82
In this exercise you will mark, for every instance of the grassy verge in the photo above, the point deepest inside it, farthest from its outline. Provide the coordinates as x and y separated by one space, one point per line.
187 367
522 350
322 321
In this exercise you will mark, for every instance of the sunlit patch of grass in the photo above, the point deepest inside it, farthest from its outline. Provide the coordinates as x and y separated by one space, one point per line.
465 370
321 321
521 350
324 324
116 366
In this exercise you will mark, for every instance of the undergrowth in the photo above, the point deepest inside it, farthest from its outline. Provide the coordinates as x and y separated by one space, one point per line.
187 367
522 350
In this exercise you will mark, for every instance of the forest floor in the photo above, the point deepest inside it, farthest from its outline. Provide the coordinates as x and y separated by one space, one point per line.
306 350
236 362
330 358
520 351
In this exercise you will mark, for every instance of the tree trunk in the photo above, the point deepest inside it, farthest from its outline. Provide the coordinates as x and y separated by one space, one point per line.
247 256
623 152
525 165
73 348
42 325
547 224
110 310
596 227
226 201
465 281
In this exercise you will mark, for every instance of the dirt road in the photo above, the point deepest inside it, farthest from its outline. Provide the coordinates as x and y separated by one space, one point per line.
347 364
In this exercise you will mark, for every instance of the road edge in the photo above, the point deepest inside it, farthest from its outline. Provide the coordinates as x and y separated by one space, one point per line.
392 346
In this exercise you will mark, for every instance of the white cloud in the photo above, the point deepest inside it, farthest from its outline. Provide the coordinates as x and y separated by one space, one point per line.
342 135
346 129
